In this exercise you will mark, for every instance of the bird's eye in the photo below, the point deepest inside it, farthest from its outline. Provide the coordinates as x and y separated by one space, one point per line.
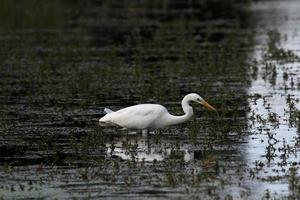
198 99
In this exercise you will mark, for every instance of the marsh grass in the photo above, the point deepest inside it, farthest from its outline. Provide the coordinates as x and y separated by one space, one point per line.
62 68
275 52
294 185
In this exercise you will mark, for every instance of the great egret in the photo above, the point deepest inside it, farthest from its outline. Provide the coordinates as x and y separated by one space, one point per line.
151 116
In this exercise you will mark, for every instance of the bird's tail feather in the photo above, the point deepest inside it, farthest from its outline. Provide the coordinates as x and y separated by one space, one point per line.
107 110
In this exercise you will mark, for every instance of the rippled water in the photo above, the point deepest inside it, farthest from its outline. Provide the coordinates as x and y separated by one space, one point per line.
63 62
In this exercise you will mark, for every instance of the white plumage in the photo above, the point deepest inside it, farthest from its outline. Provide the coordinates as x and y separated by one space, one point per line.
151 116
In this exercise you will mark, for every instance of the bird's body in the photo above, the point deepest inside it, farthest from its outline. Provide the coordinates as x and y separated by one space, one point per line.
142 116
151 116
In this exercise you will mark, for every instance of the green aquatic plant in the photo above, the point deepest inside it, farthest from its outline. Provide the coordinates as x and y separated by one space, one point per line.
274 52
293 112
294 184
171 179
193 129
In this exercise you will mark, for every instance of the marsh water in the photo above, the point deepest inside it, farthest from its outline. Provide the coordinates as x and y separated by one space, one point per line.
63 62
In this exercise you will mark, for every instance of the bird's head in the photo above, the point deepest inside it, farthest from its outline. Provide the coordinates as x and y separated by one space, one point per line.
198 99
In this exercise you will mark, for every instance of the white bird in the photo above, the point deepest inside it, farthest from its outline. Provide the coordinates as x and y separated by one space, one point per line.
152 116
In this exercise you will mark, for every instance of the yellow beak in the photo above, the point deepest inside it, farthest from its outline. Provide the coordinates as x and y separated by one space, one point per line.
207 106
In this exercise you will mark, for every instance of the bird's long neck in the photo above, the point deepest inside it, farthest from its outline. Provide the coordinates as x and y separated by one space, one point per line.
188 113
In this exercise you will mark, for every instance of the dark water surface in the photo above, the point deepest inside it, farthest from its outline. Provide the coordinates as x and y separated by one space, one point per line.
62 62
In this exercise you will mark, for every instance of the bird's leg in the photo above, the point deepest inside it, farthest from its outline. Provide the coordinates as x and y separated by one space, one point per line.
148 146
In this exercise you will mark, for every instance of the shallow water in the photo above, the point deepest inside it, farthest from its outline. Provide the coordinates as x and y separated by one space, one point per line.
275 91
63 62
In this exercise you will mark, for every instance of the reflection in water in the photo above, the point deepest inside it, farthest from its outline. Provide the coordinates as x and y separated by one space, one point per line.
147 150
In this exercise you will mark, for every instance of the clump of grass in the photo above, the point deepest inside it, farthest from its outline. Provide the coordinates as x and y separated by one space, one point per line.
171 179
294 113
270 151
270 73
274 52
294 184
193 129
